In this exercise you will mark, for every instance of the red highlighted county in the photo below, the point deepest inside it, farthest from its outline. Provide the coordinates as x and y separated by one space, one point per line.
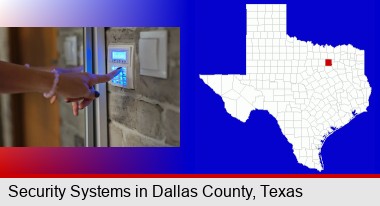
328 62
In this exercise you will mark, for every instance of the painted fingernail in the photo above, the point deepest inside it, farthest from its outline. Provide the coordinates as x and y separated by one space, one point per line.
97 94
119 67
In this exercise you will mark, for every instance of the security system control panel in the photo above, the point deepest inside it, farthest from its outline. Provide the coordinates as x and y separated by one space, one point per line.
121 55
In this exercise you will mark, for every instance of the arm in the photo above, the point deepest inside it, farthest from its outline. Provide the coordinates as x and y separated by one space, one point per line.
16 79
74 86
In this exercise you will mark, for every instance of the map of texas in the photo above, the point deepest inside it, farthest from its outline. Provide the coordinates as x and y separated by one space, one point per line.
311 90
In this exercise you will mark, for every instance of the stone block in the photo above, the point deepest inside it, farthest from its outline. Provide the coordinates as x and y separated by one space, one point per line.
134 139
163 90
171 127
174 43
149 119
115 136
121 35
122 109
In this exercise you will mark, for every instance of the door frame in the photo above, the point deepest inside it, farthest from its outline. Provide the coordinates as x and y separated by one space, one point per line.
95 62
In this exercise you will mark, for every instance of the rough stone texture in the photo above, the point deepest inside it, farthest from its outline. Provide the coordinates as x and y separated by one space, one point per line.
171 127
148 119
116 136
72 128
134 139
147 114
122 109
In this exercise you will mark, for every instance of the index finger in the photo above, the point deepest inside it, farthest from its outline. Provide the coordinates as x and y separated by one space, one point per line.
102 78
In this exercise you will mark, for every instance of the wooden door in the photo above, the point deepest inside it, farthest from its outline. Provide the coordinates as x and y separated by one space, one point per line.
38 120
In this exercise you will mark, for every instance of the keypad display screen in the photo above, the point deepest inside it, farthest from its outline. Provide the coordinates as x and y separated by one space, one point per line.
119 55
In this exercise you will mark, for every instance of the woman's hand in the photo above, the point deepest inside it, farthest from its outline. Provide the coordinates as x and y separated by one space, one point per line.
77 87
59 70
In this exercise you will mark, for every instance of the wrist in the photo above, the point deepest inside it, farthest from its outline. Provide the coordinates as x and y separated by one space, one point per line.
43 81
53 88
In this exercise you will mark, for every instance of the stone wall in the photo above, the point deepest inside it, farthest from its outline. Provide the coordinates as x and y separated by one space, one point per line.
72 128
149 115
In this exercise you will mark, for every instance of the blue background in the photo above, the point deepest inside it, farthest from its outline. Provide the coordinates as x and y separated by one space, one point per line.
226 145
212 41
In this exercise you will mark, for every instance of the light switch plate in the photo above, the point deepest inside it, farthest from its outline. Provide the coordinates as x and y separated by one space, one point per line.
153 53
149 54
